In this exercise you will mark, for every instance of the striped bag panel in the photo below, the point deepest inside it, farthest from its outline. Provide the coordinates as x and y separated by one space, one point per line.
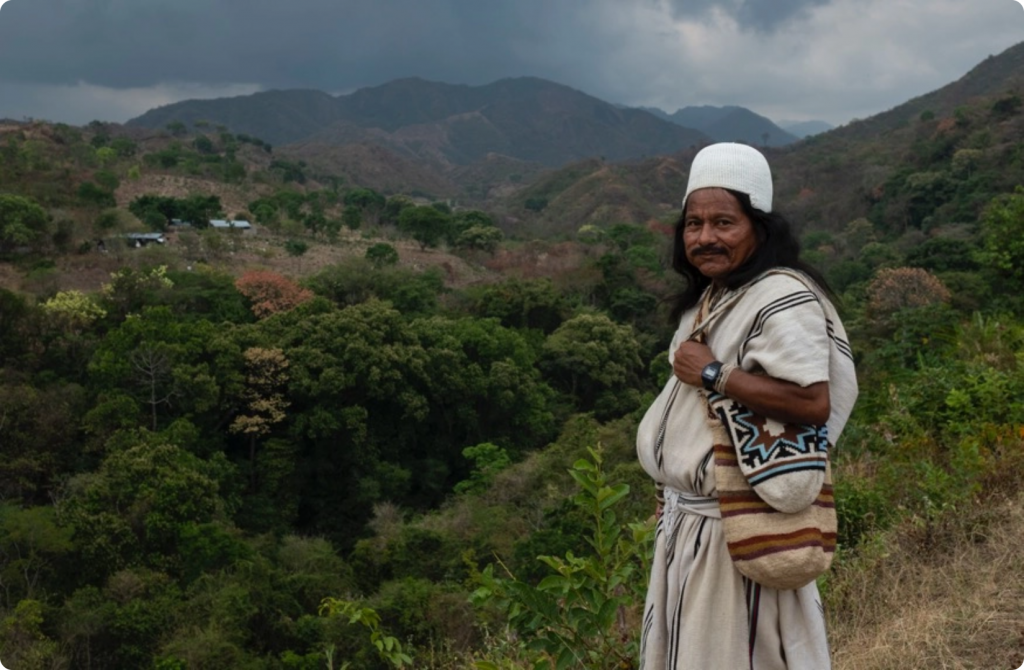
775 549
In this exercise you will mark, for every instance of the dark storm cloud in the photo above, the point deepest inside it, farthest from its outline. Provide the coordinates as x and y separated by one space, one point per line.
760 15
309 43
71 60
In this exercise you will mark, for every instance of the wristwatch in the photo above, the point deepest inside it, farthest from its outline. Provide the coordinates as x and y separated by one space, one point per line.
709 375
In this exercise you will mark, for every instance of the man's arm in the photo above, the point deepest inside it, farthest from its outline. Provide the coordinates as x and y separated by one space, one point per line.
774 398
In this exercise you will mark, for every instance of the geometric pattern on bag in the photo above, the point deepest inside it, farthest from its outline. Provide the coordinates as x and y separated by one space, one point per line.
769 448
775 549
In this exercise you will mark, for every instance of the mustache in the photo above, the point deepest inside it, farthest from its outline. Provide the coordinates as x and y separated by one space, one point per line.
708 250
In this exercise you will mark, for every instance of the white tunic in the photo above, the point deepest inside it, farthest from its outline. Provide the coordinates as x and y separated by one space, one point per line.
701 614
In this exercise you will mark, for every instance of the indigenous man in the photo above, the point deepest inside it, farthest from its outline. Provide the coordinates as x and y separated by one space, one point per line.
778 347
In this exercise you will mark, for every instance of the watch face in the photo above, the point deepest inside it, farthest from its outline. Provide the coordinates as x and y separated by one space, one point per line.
710 374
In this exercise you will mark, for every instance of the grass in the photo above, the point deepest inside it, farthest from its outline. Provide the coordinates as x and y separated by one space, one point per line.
949 599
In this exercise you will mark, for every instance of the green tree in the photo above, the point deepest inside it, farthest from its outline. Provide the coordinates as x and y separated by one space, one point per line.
296 249
105 155
129 290
382 254
536 204
352 217
177 128
485 238
388 648
22 222
1002 234
155 357
24 641
204 144
38 428
365 199
596 362
488 460
148 207
426 225
96 196
518 303
107 179
198 209
134 510
396 204
75 307
124 147
31 544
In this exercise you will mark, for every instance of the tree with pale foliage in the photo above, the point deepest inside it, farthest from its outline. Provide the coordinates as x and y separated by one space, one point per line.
265 383
896 289
270 293
73 310
129 290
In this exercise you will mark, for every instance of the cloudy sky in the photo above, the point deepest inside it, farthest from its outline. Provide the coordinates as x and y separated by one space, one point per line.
835 60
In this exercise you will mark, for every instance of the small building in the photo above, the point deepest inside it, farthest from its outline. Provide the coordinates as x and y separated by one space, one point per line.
241 224
144 239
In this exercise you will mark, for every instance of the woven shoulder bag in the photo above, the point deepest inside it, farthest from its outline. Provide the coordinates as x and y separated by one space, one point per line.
758 458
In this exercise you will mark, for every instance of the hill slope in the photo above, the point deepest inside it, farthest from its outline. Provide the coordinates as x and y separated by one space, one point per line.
934 161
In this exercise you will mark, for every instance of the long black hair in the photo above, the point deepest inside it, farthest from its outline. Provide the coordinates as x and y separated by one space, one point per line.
777 246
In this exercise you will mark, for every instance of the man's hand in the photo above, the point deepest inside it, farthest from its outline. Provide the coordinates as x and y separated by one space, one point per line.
688 361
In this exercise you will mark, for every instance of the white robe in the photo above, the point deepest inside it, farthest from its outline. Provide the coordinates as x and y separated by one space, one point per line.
701 614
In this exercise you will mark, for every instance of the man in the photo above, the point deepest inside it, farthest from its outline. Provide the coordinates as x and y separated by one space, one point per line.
776 345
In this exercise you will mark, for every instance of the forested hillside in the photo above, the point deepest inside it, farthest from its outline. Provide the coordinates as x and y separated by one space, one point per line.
344 438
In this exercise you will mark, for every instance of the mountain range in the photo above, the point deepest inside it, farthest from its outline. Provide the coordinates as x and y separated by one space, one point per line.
529 141
527 119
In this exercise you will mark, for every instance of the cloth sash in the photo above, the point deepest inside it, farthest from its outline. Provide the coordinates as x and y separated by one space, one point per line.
678 504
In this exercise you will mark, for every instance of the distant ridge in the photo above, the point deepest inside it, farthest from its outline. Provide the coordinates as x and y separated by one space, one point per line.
525 118
804 129
730 124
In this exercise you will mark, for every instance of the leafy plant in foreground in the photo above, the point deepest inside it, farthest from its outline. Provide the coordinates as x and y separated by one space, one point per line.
581 615
389 649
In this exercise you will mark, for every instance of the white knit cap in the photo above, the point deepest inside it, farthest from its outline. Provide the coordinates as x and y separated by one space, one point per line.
738 167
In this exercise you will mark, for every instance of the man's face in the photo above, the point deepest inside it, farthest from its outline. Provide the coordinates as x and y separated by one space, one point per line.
717 235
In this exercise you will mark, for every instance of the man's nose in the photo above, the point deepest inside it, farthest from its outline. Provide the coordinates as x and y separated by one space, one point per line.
707 234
